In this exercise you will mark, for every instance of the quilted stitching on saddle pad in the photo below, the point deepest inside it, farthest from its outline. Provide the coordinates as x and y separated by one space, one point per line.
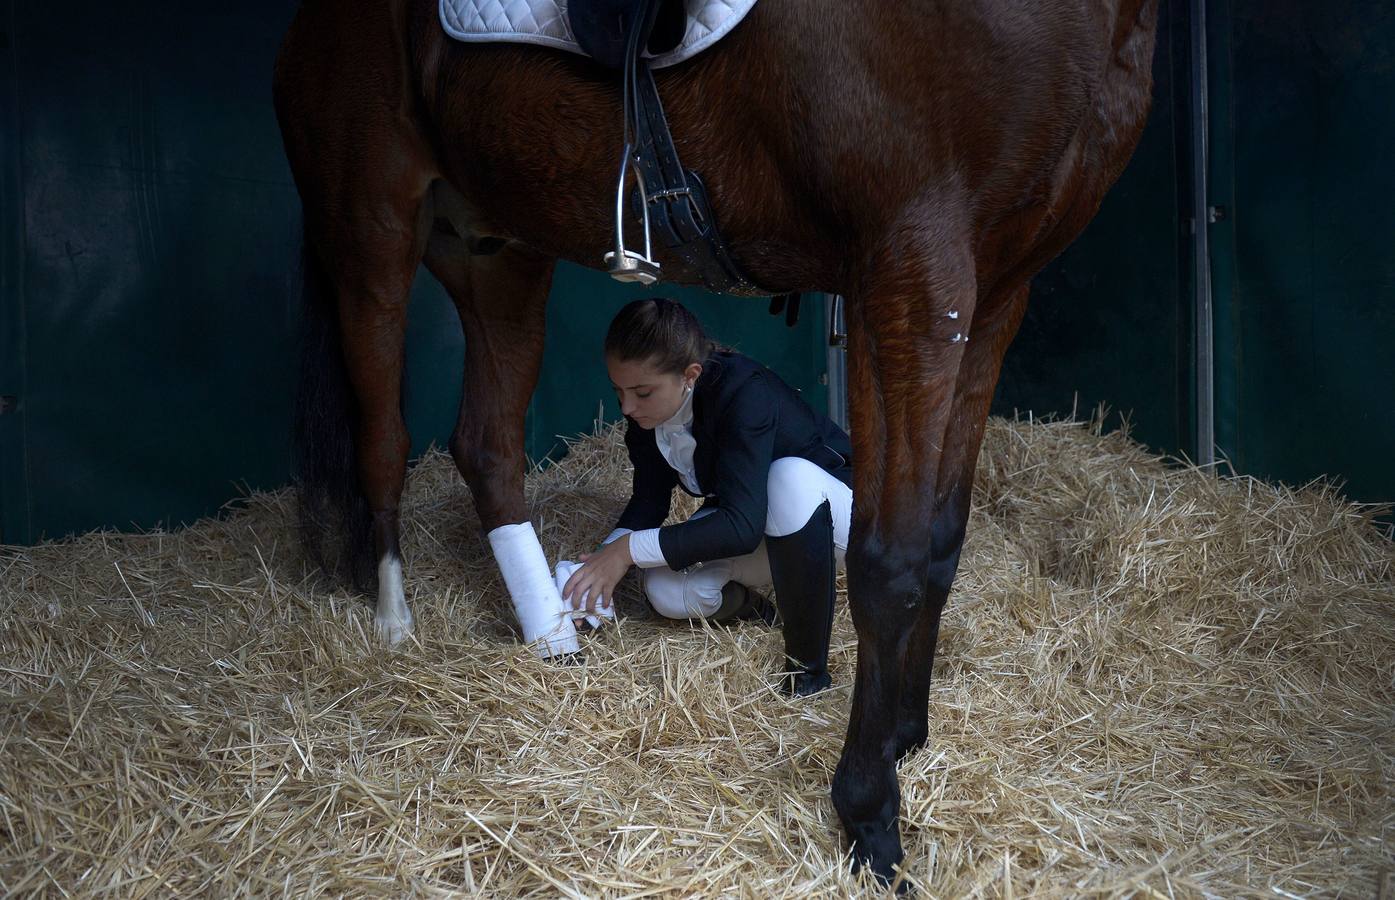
545 22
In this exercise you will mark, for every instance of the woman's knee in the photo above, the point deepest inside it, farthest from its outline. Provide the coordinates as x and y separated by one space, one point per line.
679 595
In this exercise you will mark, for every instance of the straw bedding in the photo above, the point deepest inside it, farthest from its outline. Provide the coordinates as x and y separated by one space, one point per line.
1151 682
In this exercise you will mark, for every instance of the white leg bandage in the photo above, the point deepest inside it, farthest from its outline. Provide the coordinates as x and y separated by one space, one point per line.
561 575
536 602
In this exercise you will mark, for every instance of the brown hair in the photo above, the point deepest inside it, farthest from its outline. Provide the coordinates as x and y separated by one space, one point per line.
657 330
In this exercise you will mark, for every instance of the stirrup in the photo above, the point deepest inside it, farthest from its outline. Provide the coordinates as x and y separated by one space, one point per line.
632 268
627 265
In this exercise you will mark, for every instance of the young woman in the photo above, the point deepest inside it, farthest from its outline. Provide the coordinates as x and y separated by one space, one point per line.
775 476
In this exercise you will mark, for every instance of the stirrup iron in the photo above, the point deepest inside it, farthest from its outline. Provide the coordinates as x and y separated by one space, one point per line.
628 265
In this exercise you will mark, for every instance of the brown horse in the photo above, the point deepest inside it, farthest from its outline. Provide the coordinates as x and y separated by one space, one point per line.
922 159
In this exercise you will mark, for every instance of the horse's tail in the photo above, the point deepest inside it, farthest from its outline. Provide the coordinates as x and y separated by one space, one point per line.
335 522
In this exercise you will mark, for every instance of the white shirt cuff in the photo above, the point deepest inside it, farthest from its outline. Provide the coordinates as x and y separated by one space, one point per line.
616 535
644 549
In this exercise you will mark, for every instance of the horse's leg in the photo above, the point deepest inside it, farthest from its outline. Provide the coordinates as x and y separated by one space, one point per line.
917 294
363 167
502 302
373 280
995 322
1018 250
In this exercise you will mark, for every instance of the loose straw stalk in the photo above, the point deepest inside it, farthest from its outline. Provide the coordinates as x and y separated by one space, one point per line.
1151 682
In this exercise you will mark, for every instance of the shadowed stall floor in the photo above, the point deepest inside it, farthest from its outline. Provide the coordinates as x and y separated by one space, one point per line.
1151 682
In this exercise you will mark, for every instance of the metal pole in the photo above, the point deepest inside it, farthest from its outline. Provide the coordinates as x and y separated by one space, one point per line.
837 361
1203 332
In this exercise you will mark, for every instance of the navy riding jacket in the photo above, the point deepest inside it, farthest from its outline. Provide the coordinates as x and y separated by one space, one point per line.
744 418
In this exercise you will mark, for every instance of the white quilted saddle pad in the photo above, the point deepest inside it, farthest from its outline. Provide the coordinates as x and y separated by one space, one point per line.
545 22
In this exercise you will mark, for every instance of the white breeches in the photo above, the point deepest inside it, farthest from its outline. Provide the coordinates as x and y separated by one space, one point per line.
795 489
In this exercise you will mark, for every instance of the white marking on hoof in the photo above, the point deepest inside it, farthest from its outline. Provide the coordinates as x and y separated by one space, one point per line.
393 621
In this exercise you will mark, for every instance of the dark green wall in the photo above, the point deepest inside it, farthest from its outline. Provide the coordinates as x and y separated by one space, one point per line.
150 236
1303 125
1301 136
1109 321
149 253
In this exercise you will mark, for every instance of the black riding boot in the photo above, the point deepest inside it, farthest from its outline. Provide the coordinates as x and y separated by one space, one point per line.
803 568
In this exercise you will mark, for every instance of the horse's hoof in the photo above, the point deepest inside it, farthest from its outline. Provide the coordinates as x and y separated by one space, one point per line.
802 684
880 857
392 630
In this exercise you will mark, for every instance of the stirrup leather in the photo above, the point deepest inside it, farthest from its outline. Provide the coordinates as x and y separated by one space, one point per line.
621 263
674 197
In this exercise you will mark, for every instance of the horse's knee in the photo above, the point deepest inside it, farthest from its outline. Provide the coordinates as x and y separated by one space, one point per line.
910 570
495 481
939 577
473 460
946 541
894 570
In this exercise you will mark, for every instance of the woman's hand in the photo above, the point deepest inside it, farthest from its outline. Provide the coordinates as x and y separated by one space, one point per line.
594 583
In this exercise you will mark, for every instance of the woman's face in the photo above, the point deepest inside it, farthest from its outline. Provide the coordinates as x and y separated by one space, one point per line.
646 395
